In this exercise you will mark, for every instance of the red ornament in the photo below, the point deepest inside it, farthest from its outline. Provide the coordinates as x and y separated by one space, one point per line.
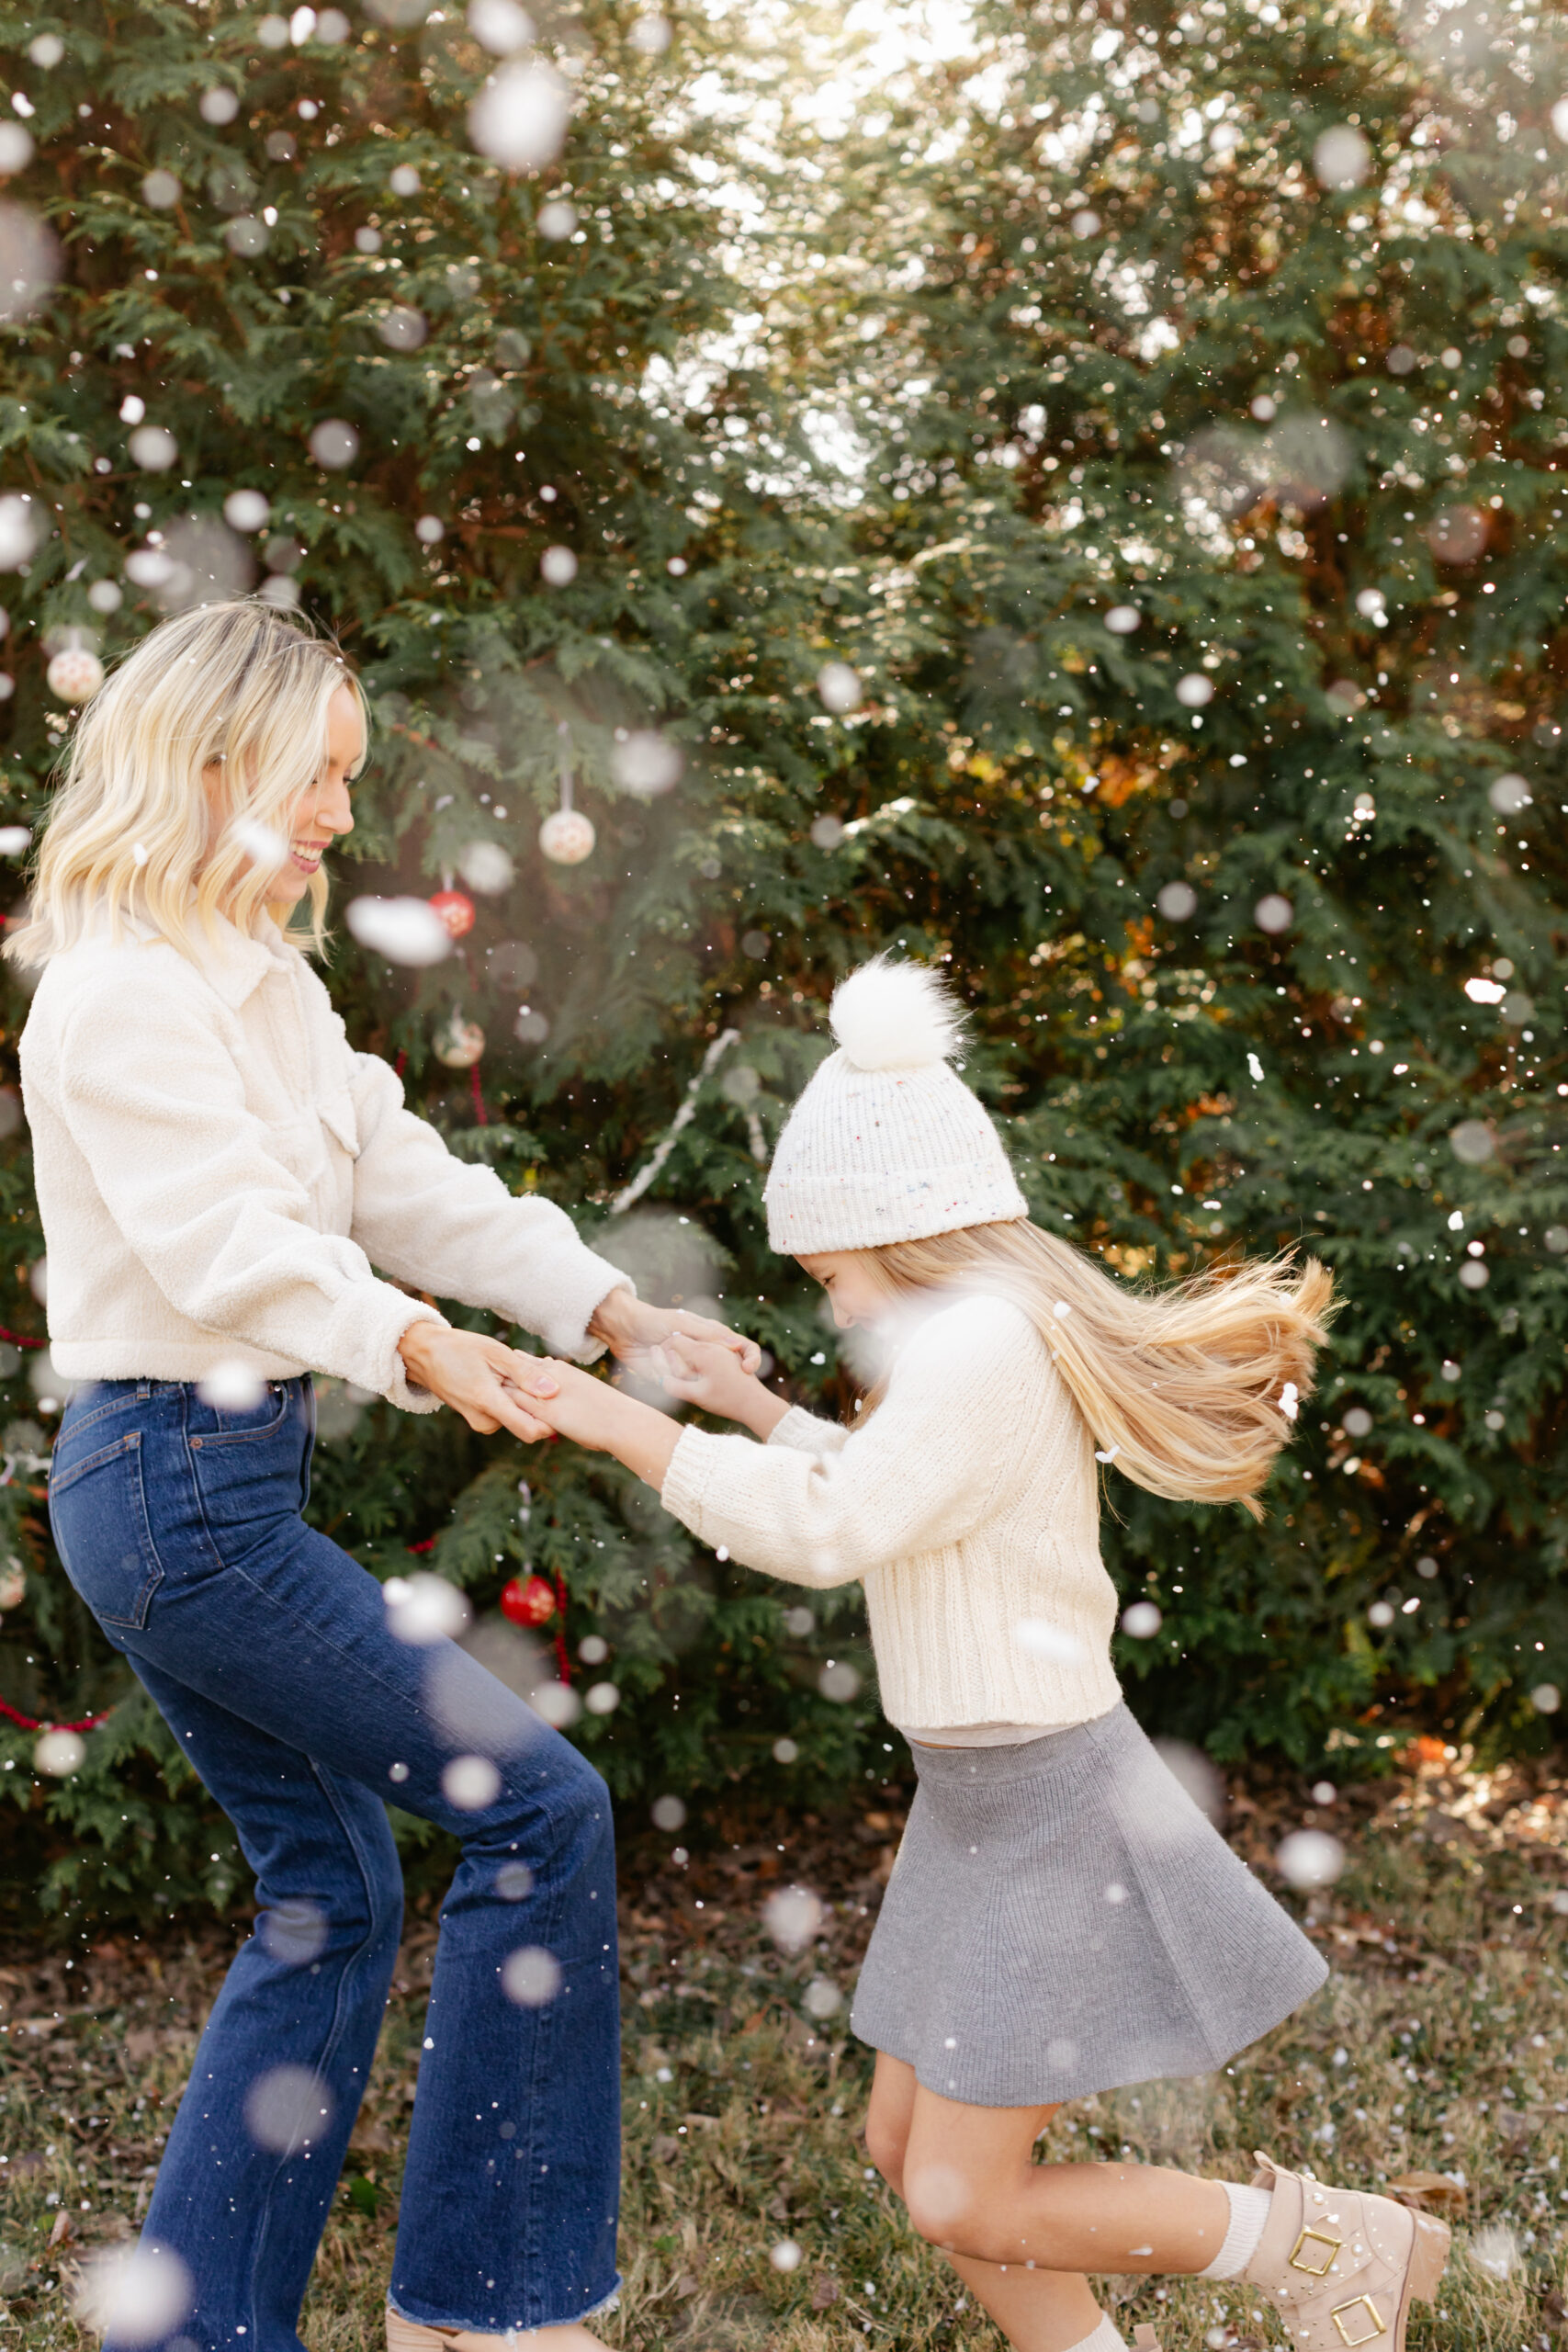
528 1601
456 910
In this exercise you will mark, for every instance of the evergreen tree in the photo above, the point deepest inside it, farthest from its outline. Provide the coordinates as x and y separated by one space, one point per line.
1215 550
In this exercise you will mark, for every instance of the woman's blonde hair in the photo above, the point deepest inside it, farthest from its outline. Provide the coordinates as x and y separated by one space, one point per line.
181 772
1190 1390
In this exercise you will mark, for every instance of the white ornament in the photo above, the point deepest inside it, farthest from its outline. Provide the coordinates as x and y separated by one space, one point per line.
460 1043
567 838
76 675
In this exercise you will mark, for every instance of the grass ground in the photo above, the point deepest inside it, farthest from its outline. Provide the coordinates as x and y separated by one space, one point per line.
1438 2047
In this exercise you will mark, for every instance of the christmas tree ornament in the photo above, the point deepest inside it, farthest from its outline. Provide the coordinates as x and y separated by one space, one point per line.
567 836
456 910
75 674
527 1600
13 1585
460 1043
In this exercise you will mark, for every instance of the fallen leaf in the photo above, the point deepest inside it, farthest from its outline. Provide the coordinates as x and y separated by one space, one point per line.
823 2292
1430 2192
686 2284
62 2229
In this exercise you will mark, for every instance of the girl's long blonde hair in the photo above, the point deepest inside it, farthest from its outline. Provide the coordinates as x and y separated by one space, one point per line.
1190 1390
181 769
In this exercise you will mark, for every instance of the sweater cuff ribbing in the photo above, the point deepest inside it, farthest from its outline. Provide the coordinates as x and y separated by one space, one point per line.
686 1486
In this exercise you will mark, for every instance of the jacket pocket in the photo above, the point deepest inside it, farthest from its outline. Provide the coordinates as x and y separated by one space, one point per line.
97 1509
337 1115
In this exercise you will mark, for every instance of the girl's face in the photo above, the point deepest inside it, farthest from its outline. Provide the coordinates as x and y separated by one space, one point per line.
856 1292
322 809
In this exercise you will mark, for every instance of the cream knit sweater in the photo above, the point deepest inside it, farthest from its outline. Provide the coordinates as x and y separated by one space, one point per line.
968 1506
217 1169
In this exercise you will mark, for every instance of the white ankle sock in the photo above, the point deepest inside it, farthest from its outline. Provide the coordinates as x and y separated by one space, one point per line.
1250 2212
1104 2339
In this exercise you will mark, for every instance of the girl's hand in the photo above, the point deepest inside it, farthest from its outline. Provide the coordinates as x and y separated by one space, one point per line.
605 1421
577 1405
704 1373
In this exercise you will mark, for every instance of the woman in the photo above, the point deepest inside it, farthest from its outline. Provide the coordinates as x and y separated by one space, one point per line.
217 1172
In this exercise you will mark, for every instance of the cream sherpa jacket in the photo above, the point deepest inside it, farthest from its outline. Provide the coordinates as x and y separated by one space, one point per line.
968 1506
217 1171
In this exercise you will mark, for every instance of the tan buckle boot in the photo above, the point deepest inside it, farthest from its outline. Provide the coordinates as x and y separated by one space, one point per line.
412 2335
1341 2266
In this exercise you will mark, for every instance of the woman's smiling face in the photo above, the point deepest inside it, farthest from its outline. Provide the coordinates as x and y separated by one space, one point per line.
323 811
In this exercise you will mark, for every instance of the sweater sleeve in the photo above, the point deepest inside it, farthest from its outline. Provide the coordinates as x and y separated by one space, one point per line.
444 1225
807 1433
934 1460
155 1103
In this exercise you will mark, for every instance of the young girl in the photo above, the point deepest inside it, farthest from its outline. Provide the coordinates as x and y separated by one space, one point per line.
1063 1919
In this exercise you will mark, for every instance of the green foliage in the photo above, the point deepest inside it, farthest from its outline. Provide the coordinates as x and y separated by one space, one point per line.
931 389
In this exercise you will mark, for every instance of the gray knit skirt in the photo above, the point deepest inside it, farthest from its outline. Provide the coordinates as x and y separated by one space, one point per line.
1063 1918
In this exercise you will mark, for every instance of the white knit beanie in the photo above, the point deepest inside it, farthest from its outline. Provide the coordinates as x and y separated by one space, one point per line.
887 1143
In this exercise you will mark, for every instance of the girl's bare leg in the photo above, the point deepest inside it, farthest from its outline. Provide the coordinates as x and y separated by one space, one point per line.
1037 2311
971 2186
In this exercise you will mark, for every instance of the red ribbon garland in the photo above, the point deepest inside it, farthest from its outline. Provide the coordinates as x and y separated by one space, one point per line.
31 1723
18 1340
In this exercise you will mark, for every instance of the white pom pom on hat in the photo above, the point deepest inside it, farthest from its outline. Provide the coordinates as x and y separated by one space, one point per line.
896 1016
886 1143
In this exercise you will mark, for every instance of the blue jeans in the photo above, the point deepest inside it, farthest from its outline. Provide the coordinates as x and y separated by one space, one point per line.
267 1651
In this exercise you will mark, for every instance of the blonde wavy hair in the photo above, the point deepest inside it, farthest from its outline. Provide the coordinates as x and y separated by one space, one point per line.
1190 1390
180 768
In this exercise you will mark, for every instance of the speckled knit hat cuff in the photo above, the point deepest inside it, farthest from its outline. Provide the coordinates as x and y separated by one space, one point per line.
870 1156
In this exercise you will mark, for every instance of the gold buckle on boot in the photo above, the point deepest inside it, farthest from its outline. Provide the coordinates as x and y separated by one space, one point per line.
1363 2303
1315 2269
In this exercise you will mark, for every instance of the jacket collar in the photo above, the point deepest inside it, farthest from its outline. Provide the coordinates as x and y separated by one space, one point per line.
235 964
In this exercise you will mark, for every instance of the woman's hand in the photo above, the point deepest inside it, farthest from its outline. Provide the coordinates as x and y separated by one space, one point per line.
632 1329
482 1379
701 1372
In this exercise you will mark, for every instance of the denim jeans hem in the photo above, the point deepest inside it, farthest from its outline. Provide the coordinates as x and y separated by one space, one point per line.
606 2302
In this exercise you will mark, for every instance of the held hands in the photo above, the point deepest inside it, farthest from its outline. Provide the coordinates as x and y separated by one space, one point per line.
606 1420
490 1384
494 1387
634 1330
702 1372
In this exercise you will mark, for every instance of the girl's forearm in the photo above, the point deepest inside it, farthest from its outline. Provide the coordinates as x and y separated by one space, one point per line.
637 1435
763 1412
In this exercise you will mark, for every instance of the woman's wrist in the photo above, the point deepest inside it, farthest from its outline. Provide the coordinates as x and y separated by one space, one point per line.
417 1347
614 1321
